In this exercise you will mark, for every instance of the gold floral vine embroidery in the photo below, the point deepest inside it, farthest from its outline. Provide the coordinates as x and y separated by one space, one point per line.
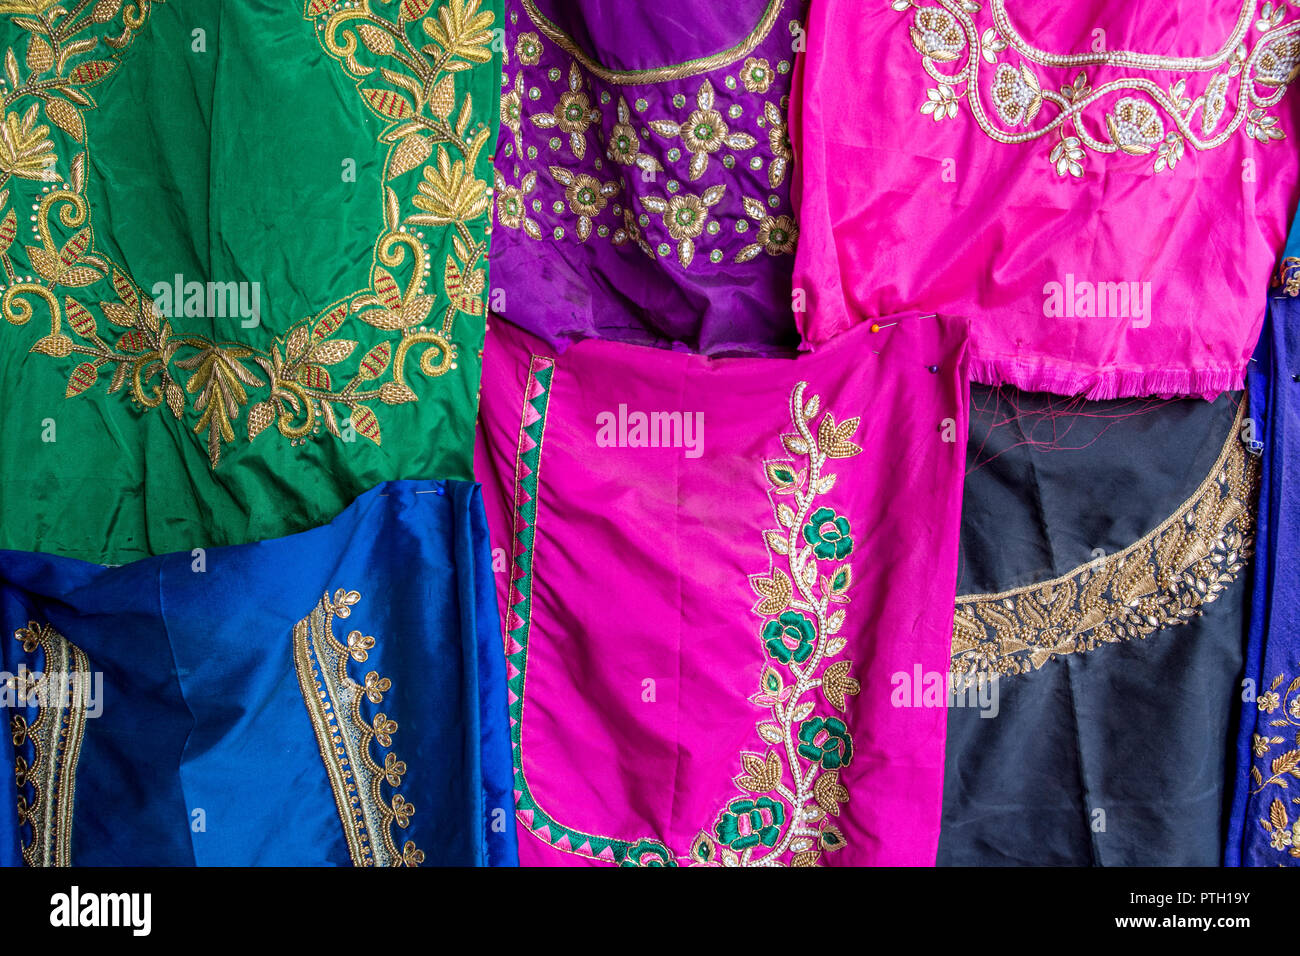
662 73
791 791
1162 580
1283 833
953 48
700 137
412 89
1288 276
46 772
344 734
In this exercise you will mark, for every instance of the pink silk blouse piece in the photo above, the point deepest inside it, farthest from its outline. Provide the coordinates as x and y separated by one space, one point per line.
727 590
1102 187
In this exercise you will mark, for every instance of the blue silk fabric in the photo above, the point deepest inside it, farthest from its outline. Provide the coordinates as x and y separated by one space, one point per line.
1264 827
204 750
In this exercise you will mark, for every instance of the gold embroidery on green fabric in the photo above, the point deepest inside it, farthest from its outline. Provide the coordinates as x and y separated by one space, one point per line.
792 789
657 74
344 735
412 89
47 780
954 48
1162 580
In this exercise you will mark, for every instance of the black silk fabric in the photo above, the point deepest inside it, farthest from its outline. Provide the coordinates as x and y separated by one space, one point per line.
1115 687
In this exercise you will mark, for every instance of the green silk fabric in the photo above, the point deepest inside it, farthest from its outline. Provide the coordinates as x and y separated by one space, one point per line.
329 162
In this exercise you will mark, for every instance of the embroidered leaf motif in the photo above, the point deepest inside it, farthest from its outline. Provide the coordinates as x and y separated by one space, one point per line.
365 423
780 474
83 376
762 774
794 444
777 541
831 838
703 849
1277 814
395 393
8 230
841 579
389 104
219 381
837 685
82 322
375 364
1288 762
775 592
828 792
770 733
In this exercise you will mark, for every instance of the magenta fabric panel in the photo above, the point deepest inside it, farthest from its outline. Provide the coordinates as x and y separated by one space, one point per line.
672 614
1101 188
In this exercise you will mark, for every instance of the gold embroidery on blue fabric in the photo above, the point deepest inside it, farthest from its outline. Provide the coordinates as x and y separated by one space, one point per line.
47 779
333 702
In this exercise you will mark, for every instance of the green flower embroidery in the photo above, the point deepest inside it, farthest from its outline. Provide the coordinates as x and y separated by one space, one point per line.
826 740
789 637
828 533
748 822
648 853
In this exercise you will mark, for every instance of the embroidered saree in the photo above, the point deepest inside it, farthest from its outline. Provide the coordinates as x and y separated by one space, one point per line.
1264 829
331 698
1103 585
1101 190
726 595
242 263
643 180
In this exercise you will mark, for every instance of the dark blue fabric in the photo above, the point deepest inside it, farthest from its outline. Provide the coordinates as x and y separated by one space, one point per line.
1270 710
202 709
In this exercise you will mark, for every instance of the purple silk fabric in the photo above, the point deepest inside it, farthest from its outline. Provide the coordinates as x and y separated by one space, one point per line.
643 177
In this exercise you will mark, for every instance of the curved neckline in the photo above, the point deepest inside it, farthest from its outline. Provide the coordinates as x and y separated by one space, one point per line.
1002 16
658 74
